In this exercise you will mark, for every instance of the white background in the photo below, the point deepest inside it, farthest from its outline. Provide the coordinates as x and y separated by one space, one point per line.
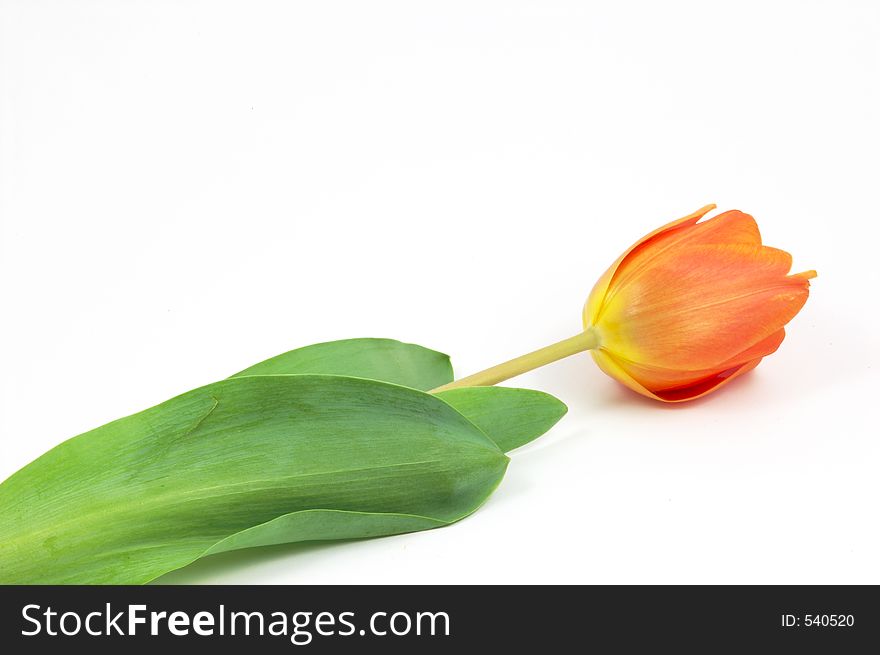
187 188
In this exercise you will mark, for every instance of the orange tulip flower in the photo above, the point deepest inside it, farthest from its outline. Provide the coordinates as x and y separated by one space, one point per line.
685 310
693 305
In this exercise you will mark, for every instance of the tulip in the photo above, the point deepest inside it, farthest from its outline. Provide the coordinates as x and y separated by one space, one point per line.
685 310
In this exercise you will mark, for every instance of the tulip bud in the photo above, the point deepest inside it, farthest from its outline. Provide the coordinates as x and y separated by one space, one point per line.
692 306
682 312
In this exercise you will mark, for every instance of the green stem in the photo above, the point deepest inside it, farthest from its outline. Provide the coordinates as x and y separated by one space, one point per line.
577 344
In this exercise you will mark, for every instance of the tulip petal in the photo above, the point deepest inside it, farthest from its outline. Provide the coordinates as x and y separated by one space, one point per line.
697 390
699 306
612 367
731 227
760 349
659 380
597 295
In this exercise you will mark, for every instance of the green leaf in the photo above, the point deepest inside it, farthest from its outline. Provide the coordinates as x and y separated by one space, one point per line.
302 456
200 520
509 417
388 360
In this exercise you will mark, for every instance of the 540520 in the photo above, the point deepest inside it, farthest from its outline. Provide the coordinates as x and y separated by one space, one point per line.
818 620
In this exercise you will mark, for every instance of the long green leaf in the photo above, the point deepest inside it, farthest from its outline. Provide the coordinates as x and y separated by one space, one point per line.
152 492
388 360
509 417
